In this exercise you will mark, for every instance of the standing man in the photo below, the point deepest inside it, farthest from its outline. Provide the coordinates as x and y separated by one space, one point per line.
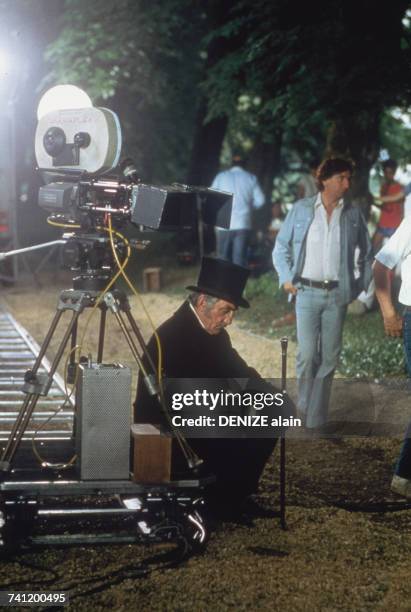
232 244
314 259
397 250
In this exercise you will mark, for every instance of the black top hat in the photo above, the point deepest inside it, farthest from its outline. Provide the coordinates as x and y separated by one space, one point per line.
222 279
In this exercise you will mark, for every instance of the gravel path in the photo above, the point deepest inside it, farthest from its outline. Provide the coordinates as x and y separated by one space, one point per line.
347 548
34 310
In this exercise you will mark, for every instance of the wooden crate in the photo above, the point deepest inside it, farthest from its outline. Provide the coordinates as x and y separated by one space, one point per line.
152 279
152 454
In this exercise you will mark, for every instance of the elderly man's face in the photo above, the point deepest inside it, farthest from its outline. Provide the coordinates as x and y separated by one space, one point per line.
217 316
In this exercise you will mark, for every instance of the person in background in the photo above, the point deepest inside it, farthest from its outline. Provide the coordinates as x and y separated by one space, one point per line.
314 259
397 250
232 244
307 186
277 218
392 197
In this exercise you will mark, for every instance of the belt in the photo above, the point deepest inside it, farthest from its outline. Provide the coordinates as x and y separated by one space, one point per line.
327 284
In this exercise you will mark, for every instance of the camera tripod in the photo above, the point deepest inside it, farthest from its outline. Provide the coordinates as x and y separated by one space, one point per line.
37 384
166 511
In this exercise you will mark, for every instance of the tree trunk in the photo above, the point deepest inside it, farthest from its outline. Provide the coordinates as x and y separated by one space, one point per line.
265 163
205 154
209 135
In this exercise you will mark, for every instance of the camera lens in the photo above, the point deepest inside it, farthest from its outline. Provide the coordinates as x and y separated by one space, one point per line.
54 141
82 139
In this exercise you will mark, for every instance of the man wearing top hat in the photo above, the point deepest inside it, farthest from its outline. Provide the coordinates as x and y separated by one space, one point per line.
195 345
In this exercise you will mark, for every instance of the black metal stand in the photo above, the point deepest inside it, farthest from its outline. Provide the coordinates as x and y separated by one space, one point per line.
167 511
283 522
36 513
38 384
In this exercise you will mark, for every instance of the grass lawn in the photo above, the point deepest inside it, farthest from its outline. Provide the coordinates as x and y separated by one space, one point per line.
366 351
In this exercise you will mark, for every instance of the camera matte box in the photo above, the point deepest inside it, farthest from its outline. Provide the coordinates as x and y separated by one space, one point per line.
176 206
103 419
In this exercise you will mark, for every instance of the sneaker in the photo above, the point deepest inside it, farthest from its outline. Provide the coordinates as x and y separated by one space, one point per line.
401 486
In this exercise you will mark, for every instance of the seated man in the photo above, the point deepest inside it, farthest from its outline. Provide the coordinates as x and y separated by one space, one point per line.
195 345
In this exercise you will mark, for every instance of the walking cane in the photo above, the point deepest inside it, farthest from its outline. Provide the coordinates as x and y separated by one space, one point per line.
284 345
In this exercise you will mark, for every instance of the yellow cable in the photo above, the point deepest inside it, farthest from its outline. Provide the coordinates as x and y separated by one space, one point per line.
185 447
136 293
63 225
68 393
121 271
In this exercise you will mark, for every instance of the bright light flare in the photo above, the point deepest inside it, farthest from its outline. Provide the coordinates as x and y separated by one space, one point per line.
5 64
62 97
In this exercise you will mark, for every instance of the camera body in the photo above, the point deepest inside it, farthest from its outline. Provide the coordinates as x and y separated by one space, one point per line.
85 140
80 147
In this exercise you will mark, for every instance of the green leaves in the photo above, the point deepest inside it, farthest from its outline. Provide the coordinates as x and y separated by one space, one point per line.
142 59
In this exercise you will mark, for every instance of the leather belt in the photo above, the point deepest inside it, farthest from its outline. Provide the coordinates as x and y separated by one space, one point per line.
327 284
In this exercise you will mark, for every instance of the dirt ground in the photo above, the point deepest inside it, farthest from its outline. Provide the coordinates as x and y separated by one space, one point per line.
347 547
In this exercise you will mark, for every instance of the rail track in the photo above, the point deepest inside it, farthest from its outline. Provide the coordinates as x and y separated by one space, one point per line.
18 351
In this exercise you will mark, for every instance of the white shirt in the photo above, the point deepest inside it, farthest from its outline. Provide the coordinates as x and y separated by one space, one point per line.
196 315
407 205
322 255
246 192
396 250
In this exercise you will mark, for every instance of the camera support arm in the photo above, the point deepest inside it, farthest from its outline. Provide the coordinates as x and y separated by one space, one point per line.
35 247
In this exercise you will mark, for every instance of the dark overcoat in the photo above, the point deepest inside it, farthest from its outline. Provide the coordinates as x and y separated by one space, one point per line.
190 352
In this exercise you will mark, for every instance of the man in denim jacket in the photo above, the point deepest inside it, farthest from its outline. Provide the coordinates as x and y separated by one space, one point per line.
314 257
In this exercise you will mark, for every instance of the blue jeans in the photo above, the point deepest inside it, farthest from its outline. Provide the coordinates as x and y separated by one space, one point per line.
320 322
233 245
403 467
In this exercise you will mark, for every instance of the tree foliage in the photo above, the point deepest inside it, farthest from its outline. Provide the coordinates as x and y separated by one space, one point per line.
277 78
142 58
329 70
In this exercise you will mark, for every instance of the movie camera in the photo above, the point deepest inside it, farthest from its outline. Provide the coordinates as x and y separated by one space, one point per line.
93 198
78 151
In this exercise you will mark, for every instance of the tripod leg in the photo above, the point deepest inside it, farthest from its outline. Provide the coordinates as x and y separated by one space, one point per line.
73 343
17 424
36 388
101 333
21 417
125 307
71 371
140 338
118 304
128 337
46 341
